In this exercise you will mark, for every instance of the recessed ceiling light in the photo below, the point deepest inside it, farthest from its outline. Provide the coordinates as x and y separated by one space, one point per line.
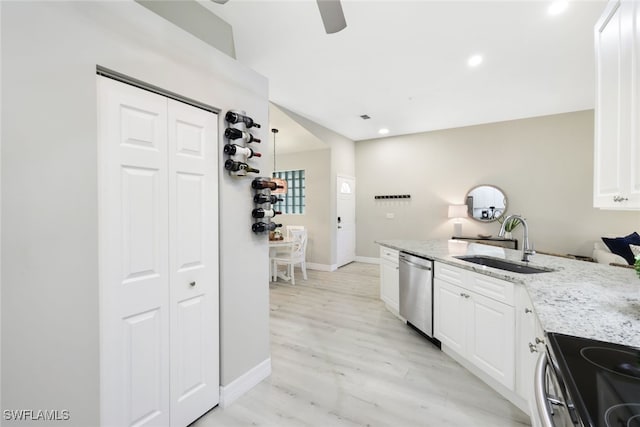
557 7
383 131
475 60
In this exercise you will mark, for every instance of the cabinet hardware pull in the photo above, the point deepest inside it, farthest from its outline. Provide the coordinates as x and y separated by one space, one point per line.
620 199
528 310
192 283
462 294
539 340
533 348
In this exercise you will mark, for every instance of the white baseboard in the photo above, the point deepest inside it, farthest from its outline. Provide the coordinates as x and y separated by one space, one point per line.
368 259
334 267
244 383
321 267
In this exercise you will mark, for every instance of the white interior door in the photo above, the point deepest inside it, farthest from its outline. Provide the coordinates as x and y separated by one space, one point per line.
158 258
346 220
134 273
193 231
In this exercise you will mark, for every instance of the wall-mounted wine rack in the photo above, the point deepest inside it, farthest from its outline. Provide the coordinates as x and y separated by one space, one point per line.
238 135
393 196
263 213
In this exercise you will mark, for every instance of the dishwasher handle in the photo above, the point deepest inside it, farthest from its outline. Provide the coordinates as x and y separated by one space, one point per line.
412 264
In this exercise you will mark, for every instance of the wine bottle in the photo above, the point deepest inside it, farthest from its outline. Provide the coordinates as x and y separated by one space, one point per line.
263 198
260 227
233 117
232 133
230 165
262 183
264 213
232 149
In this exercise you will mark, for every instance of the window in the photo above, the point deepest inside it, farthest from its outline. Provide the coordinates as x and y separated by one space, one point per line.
293 202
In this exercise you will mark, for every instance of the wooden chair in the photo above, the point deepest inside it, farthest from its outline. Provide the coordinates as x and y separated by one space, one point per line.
296 255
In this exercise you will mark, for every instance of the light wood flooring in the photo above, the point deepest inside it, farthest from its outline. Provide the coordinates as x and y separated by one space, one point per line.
339 358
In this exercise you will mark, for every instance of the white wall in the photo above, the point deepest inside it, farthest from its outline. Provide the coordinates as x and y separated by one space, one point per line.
544 165
49 212
317 166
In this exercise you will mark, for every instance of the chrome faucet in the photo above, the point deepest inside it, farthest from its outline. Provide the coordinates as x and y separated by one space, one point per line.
527 251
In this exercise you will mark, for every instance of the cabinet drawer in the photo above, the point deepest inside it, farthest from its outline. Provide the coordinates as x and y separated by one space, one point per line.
450 274
497 289
389 254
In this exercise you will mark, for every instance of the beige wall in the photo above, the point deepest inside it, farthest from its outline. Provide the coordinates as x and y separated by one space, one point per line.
544 165
342 163
317 166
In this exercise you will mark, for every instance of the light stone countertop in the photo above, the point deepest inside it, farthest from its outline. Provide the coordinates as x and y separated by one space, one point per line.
579 298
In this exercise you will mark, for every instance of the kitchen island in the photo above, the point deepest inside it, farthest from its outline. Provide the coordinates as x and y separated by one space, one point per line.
578 298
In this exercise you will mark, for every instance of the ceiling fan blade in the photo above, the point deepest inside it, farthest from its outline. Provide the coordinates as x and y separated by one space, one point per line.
220 1
332 15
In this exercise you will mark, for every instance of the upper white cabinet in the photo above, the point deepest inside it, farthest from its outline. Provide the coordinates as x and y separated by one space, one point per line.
389 278
617 115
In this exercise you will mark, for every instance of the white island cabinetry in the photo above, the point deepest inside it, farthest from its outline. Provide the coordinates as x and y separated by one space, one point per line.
474 317
390 278
530 342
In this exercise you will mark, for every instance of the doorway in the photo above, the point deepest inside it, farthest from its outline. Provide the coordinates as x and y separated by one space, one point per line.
346 220
158 237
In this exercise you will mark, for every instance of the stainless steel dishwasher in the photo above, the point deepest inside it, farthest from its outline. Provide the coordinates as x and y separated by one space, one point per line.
416 292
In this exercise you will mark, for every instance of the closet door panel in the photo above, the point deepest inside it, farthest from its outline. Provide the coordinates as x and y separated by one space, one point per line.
134 276
193 262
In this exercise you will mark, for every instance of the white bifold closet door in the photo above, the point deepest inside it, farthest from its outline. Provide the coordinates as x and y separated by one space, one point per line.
158 216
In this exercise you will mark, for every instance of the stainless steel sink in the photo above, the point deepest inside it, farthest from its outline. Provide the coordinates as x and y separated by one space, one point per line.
502 264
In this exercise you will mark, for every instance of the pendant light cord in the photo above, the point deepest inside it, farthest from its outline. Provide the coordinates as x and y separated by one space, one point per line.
274 130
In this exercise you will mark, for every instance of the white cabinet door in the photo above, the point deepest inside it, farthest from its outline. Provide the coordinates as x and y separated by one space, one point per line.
491 335
449 315
193 261
390 284
529 344
159 338
390 278
617 140
134 276
477 324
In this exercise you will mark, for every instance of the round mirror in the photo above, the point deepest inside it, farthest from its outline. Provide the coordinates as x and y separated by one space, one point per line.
486 203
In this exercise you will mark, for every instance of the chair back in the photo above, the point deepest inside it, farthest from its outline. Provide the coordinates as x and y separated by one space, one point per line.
291 228
299 247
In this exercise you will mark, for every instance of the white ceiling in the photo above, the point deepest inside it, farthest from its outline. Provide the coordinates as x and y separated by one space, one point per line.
404 62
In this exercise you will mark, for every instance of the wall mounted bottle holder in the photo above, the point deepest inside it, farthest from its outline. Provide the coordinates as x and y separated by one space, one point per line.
237 135
393 196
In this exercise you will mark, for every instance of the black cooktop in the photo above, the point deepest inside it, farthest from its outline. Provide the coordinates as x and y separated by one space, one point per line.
603 379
